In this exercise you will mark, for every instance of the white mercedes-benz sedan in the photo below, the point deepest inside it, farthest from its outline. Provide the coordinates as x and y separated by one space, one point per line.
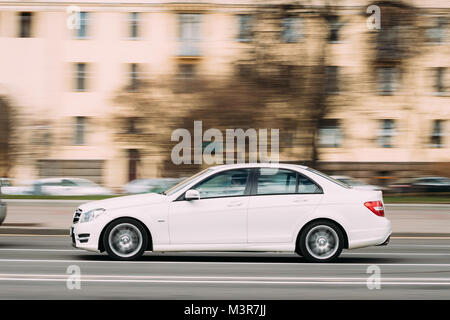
238 207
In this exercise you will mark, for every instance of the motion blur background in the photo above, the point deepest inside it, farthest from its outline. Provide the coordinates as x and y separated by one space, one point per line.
101 101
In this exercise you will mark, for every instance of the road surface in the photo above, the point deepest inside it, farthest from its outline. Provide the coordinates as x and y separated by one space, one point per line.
35 267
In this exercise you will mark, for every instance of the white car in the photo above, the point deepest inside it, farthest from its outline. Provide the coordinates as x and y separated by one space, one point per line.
239 207
68 187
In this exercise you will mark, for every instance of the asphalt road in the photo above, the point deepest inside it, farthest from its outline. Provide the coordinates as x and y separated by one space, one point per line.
35 267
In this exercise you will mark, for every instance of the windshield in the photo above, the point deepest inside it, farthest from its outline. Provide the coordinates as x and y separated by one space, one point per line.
184 183
323 175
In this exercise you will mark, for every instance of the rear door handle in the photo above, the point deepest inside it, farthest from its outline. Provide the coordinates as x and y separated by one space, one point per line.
235 204
300 200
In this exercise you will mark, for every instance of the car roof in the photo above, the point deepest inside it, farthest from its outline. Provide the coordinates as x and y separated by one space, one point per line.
257 165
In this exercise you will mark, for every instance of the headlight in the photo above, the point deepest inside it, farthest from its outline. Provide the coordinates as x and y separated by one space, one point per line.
91 214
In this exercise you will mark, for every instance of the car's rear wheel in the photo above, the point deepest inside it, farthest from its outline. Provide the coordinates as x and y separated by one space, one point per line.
321 241
125 239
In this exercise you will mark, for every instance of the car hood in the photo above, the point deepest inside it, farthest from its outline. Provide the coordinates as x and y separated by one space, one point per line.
125 201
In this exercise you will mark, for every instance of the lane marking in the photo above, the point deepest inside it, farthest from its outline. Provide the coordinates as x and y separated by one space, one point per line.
311 281
225 262
175 277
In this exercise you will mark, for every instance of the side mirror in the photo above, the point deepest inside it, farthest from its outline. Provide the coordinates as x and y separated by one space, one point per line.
192 195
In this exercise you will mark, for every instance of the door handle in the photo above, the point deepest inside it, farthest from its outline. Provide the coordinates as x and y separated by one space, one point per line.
300 200
235 204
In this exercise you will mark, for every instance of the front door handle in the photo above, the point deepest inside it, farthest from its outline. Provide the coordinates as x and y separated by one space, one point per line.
235 204
300 200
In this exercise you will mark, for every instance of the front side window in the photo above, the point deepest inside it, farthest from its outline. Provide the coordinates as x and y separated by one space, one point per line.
224 184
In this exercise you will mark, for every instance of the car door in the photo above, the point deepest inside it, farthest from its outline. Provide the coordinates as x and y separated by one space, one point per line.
280 201
219 216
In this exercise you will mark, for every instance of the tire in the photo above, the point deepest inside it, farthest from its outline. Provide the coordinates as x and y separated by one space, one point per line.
125 239
321 241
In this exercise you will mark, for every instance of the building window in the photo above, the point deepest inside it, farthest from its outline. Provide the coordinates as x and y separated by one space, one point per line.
82 31
387 79
134 77
292 28
334 27
80 77
386 133
436 34
439 80
332 80
25 19
245 32
437 135
189 34
80 128
329 133
186 71
134 25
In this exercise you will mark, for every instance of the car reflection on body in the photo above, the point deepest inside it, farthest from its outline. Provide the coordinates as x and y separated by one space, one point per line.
240 207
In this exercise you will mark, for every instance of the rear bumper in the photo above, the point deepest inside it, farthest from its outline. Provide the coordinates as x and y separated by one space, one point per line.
385 243
378 235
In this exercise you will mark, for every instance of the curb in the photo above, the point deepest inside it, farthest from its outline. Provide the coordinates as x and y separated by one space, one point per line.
65 232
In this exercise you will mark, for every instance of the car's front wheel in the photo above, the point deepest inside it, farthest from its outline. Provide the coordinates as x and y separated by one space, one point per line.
321 241
125 239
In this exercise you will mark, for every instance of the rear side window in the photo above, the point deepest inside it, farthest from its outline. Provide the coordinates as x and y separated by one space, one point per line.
282 181
276 181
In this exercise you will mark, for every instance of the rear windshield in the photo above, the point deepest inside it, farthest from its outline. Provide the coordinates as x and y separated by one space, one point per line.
323 175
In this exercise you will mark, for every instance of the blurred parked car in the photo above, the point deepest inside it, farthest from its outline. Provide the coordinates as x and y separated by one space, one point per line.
357 184
2 210
423 184
68 187
150 185
7 188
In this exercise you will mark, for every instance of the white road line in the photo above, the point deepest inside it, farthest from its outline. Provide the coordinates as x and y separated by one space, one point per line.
175 277
225 262
311 281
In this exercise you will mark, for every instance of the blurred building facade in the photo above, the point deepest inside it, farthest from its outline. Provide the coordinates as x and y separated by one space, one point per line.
388 94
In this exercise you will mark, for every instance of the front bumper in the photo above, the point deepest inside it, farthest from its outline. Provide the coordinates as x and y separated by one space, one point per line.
84 236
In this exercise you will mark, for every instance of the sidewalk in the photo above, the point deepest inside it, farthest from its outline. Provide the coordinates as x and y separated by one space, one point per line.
54 217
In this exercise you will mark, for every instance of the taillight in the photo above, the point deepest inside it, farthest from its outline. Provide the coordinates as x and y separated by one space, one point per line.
376 207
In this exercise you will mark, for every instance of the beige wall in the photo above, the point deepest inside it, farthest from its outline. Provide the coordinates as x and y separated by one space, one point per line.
37 74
